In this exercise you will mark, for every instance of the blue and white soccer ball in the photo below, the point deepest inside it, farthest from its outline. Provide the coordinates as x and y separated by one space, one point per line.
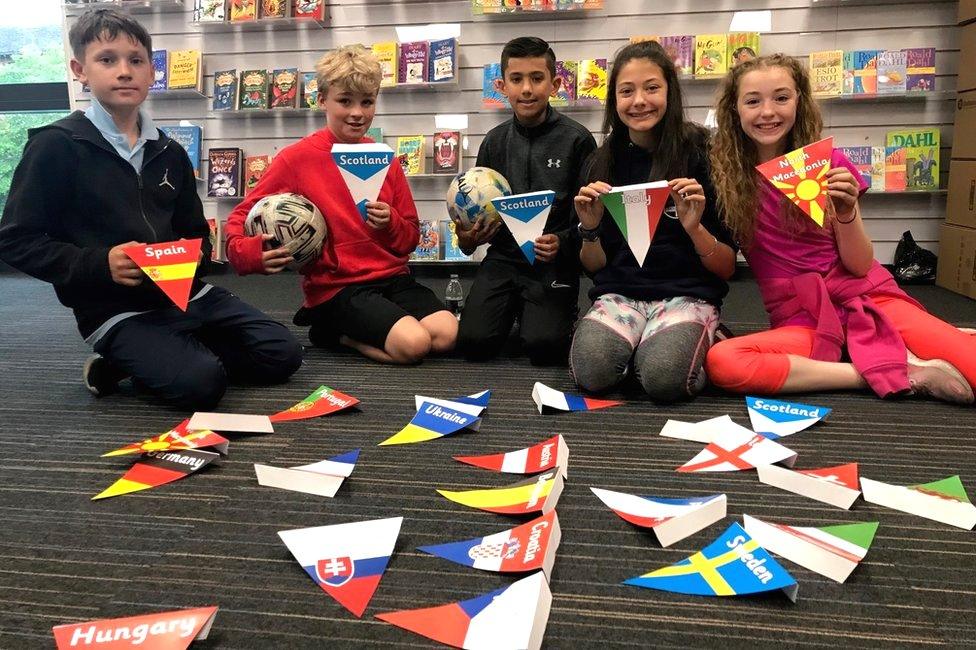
470 195
293 221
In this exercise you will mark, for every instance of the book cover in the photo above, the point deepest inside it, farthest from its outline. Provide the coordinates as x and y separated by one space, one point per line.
272 9
225 90
681 49
253 90
207 11
160 71
645 39
743 46
566 73
429 246
711 54
284 88
920 68
310 90
216 239
827 73
312 9
243 10
413 63
591 82
189 138
921 156
860 157
224 178
447 152
895 180
443 60
184 69
452 250
387 54
490 96
892 72
375 133
878 155
861 72
410 153
254 169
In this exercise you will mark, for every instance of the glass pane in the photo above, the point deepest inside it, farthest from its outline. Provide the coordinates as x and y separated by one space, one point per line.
13 135
31 49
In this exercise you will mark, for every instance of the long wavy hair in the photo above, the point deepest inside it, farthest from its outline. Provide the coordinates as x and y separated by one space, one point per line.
734 156
674 137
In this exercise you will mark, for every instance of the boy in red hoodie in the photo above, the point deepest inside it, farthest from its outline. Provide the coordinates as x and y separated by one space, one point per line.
360 288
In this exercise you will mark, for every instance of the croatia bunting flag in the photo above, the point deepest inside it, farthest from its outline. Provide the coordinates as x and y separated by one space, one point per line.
158 468
433 421
836 485
775 419
179 437
171 265
537 494
537 458
525 215
323 478
548 400
636 209
671 519
732 565
734 451
511 618
322 401
363 168
801 175
345 560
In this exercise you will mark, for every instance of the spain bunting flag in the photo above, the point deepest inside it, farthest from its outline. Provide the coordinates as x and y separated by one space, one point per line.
636 209
171 265
802 176
158 468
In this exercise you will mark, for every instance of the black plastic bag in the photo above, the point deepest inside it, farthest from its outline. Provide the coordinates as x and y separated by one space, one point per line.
914 264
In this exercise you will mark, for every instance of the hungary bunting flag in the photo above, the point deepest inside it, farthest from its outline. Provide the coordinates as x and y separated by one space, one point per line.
322 401
159 468
525 216
537 494
636 209
179 437
174 630
363 167
801 175
171 265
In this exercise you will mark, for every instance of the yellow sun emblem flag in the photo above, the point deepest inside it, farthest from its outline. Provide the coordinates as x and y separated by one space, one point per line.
802 176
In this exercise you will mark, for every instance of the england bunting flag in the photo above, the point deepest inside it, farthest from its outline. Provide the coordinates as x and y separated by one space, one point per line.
171 265
636 209
734 451
525 216
363 167
801 175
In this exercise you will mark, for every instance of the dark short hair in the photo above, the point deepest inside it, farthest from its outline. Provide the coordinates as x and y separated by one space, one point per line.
96 23
524 47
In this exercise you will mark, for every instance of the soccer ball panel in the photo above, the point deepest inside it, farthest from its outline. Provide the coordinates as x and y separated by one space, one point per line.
293 221
471 192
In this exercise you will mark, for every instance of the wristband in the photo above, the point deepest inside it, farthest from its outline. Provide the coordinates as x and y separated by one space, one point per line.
588 234
851 220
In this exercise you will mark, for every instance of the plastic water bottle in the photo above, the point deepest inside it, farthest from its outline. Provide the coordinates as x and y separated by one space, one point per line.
454 296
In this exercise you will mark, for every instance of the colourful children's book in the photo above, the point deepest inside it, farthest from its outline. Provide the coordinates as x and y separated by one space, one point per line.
920 67
443 60
645 39
243 10
860 157
711 55
216 239
429 246
254 90
827 73
284 88
209 11
743 46
189 137
681 49
452 250
160 71
895 179
490 96
375 133
878 169
272 9
410 152
861 72
313 9
414 59
447 152
254 169
591 82
184 69
225 90
310 90
566 94
892 72
224 178
921 159
387 55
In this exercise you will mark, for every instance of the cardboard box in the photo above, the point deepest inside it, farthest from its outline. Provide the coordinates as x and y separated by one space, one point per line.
957 260
967 11
964 131
966 79
961 205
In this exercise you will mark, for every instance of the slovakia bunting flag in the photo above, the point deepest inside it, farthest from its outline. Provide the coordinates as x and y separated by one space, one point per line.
433 421
171 265
363 167
345 560
525 215
174 630
739 450
537 494
548 400
775 419
531 460
510 618
177 438
158 468
322 401
636 209
801 175
671 519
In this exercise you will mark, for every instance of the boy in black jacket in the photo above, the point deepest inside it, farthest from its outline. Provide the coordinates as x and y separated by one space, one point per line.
103 179
538 149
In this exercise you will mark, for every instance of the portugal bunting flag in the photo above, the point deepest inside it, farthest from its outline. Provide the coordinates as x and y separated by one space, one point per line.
537 494
322 401
171 265
159 468
548 400
177 438
802 176
525 216
537 458
636 209
363 168
174 630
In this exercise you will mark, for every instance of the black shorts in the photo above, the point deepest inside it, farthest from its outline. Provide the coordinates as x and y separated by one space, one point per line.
367 312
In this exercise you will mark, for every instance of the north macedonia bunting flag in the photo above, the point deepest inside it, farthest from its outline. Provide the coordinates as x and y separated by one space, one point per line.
171 265
801 176
177 438
159 468
636 209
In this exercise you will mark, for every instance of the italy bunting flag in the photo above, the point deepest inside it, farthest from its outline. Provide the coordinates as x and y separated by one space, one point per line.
945 501
322 401
530 460
537 494
158 468
433 421
171 265
732 565
525 215
363 167
179 437
775 419
801 176
671 519
636 209
345 560
548 400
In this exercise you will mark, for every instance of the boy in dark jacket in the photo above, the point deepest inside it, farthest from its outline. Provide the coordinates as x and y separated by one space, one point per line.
97 181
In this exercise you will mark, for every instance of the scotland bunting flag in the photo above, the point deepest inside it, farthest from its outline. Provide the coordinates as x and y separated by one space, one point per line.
525 215
177 438
363 167
537 494
636 209
433 421
322 401
537 458
158 468
671 519
775 419
801 175
171 265
548 400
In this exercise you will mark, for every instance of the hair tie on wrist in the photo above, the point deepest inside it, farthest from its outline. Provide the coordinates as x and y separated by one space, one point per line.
711 252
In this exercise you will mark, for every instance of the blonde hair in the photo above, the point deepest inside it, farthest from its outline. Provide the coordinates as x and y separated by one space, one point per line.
352 68
733 154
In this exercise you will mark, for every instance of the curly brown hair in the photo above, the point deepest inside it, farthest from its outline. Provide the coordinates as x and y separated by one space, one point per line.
734 156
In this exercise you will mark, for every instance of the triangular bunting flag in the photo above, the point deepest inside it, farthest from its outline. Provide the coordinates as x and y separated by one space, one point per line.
158 468
636 209
831 551
944 501
236 422
537 494
704 432
345 560
461 404
323 478
537 458
837 486
322 401
525 215
775 419
548 400
732 565
734 451
171 265
529 547
478 399
177 438
801 175
671 519
431 422
174 630
363 168
511 618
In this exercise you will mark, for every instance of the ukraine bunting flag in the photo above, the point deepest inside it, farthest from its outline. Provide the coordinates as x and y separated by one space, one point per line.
636 209
801 175
171 265
433 421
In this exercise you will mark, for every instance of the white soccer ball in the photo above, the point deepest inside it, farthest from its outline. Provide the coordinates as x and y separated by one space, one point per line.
470 195
293 221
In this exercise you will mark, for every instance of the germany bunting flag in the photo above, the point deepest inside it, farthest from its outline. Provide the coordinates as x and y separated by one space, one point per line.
171 265
636 209
158 468
801 176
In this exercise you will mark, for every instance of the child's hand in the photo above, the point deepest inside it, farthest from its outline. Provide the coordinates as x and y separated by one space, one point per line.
478 234
276 259
689 201
589 207
377 215
124 270
546 247
843 190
